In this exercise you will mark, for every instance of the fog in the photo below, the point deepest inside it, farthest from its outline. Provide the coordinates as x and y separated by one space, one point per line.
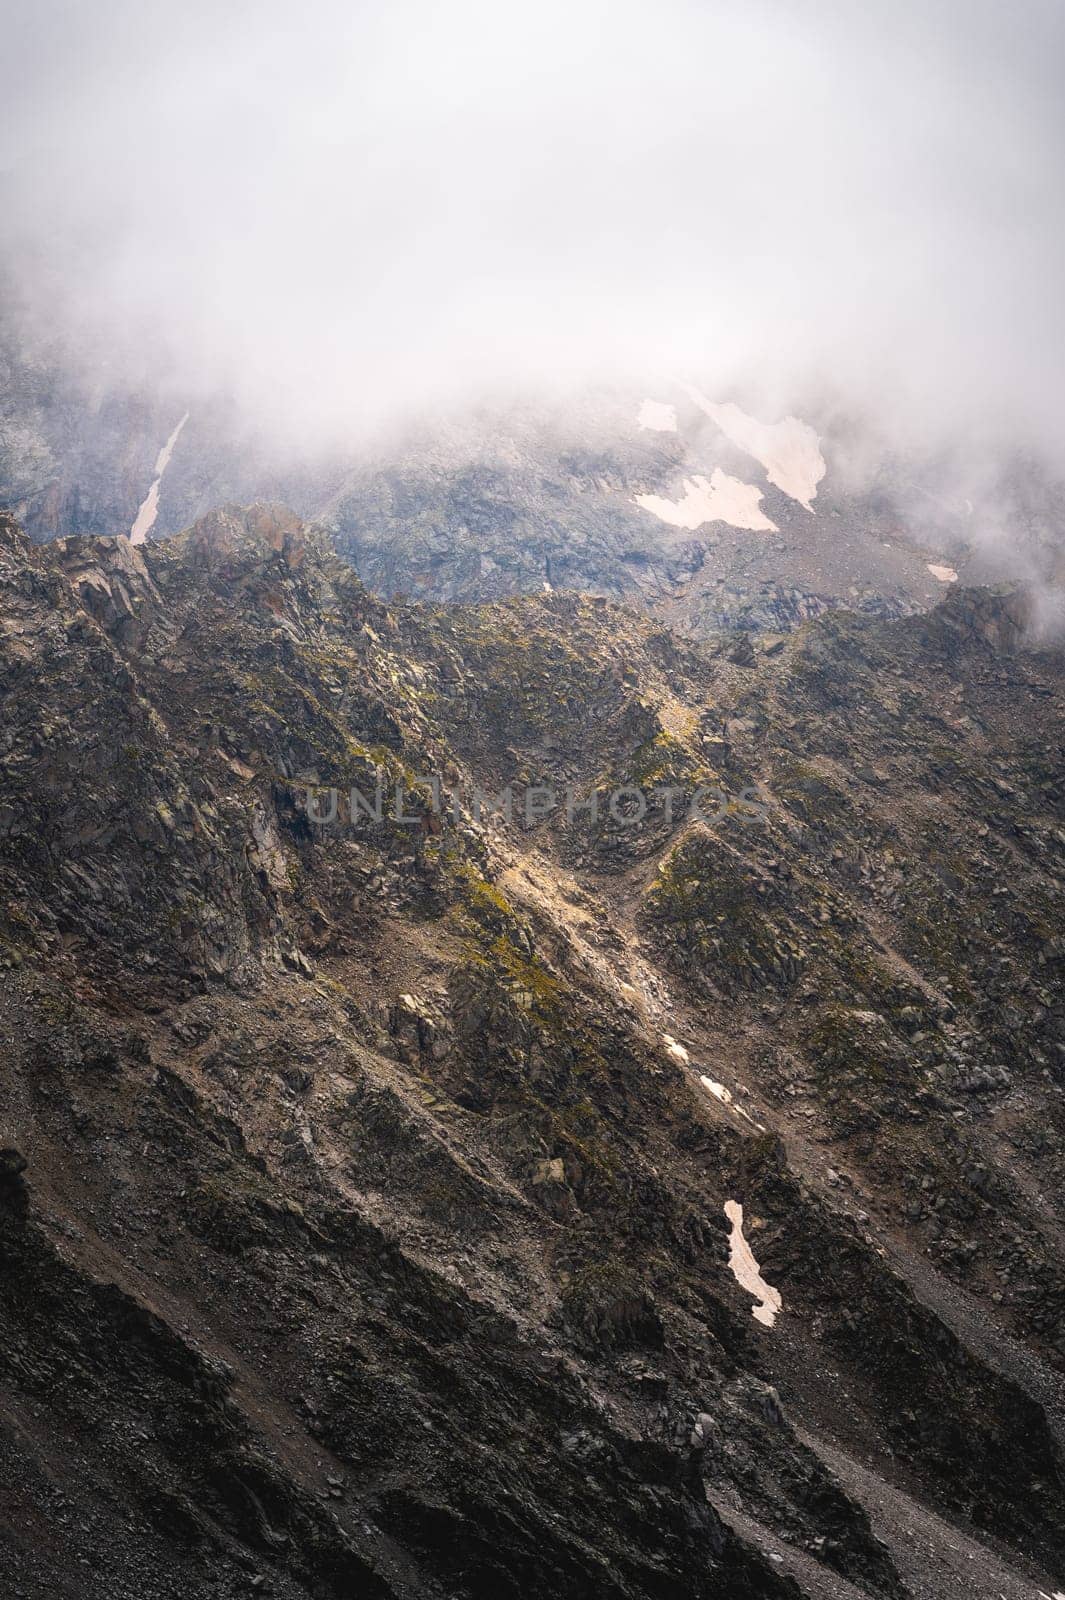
346 211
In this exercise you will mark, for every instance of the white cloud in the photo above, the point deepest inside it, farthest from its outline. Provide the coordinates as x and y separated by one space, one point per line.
351 209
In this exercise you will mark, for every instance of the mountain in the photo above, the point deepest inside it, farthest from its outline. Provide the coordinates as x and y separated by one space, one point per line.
705 514
363 1182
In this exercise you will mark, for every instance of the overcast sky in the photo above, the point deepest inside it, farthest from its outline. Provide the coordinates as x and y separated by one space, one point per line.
343 208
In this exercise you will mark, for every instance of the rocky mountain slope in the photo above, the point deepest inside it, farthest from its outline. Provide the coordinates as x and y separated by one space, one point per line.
363 1181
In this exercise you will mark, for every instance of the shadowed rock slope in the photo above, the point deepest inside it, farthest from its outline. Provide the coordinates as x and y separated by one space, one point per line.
362 1182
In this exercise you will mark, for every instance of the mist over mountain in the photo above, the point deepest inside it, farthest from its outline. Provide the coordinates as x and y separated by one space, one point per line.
367 212
532 812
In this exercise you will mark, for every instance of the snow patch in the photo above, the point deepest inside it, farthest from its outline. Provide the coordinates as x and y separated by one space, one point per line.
722 499
790 451
657 416
144 521
746 1271
944 574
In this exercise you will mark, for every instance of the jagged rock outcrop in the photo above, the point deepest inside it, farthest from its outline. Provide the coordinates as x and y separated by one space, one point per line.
1000 618
112 583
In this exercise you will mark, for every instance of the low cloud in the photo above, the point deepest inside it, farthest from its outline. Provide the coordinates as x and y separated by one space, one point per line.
347 212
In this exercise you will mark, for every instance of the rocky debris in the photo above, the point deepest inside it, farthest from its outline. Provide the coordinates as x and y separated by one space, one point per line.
986 1080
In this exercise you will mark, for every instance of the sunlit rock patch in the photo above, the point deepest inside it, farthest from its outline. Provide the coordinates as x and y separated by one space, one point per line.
726 1097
